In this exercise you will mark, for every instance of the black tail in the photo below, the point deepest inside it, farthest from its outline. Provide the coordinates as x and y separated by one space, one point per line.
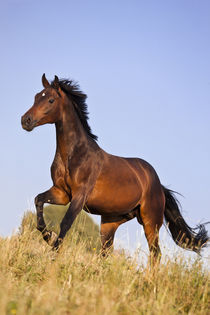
183 235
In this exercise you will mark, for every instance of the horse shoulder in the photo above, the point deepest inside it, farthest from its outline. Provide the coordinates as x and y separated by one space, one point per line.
58 172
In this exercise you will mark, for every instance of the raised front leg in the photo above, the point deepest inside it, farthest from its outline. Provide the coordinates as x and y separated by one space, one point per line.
53 196
75 207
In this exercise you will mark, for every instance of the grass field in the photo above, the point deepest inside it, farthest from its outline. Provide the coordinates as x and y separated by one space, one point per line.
35 280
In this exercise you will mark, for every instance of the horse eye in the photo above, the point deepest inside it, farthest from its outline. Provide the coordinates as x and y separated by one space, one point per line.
51 100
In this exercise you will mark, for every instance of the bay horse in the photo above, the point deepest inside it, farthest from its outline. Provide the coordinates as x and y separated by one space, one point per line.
117 188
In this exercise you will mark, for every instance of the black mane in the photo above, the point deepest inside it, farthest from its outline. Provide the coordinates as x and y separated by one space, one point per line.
72 90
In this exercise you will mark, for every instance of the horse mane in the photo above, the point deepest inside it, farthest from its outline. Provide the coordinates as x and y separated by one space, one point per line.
78 98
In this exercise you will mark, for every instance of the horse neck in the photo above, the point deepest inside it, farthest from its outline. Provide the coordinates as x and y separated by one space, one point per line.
69 133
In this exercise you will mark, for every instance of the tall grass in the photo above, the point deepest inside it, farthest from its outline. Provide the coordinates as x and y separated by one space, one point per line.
35 280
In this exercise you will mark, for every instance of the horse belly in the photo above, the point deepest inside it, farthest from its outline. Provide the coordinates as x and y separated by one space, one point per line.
114 194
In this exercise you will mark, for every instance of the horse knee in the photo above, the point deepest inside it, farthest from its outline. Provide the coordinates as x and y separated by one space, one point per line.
38 201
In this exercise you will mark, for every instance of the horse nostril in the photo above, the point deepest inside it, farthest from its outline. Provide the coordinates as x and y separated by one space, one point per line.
28 120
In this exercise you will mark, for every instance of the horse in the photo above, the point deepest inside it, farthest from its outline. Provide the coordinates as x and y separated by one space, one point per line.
117 188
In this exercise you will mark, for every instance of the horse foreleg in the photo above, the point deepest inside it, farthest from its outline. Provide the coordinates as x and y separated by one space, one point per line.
53 196
75 207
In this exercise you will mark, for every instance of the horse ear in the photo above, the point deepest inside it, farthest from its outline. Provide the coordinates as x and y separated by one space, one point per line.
45 83
56 83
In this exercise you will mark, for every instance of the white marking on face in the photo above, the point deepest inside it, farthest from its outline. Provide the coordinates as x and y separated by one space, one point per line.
43 94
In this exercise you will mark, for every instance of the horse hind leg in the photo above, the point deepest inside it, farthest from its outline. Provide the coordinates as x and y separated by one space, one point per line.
151 214
109 226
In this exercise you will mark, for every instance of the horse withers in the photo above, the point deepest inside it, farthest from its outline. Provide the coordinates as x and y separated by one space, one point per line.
117 188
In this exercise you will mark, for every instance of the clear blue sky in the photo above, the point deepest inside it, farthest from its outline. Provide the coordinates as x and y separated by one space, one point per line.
145 66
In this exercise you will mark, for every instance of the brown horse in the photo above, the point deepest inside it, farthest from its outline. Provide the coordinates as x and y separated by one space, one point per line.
119 189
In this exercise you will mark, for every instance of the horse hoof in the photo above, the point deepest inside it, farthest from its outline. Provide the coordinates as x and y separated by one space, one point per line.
52 239
57 243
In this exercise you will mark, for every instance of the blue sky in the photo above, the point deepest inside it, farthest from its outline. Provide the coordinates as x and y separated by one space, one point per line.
145 67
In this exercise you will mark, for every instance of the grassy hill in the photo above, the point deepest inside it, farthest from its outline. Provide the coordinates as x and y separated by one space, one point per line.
83 228
35 280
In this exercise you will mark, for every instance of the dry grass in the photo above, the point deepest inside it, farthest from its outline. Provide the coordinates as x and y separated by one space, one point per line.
35 280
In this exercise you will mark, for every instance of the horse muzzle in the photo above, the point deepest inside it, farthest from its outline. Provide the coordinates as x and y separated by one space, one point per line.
27 122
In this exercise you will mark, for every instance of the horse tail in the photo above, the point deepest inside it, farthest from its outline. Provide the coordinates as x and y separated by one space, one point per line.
183 235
